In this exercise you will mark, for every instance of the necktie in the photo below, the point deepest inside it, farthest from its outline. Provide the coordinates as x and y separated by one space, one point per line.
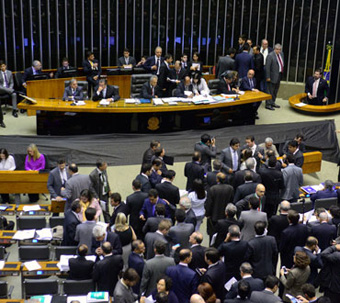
235 161
6 80
153 91
280 62
315 84
158 65
228 87
104 93
251 83
126 61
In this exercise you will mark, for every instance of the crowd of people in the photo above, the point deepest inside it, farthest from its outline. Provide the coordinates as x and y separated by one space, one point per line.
151 243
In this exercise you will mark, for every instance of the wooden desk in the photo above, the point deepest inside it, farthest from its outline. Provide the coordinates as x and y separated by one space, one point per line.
55 117
312 162
10 210
12 300
11 269
48 268
317 109
22 181
45 210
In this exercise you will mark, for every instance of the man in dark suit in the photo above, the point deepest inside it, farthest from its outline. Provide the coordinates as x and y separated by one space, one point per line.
242 39
80 268
223 225
71 221
268 294
143 177
100 235
265 50
198 259
259 195
148 209
153 64
185 280
327 192
134 203
249 82
180 233
274 72
272 179
215 273
57 179
104 91
245 189
262 252
278 223
106 271
35 69
233 250
118 207
207 149
151 224
257 151
7 87
178 73
258 66
226 63
243 290
164 75
231 158
193 170
317 89
246 272
150 89
126 60
324 232
226 84
147 156
190 217
293 150
65 65
211 175
136 261
244 62
123 291
298 138
159 235
294 235
184 88
218 198
73 92
92 71
156 172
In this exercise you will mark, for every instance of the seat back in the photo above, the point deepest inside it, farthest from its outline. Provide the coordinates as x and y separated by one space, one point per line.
82 84
77 288
213 86
18 80
325 203
137 82
298 206
116 87
28 253
34 287
3 289
27 222
3 254
55 221
64 250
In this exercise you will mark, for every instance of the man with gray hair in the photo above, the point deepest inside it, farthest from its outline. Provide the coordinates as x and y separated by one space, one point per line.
150 89
73 92
326 192
324 232
278 223
246 272
274 73
104 91
101 235
268 145
153 63
35 69
239 175
190 217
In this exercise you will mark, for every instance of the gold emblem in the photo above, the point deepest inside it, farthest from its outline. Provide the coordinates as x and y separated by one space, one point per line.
153 123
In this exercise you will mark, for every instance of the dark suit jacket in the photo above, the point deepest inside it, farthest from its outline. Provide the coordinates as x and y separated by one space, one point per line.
88 71
243 63
215 276
221 228
97 183
244 190
276 225
227 159
70 225
80 268
106 271
150 239
146 91
28 74
218 198
302 147
197 260
262 255
151 62
239 178
146 185
155 178
211 178
137 263
272 179
224 64
131 60
151 224
237 300
292 236
111 92
298 158
254 283
264 296
54 182
148 155
122 208
207 153
323 194
181 89
134 203
325 233
192 171
169 192
234 253
331 258
190 217
185 282
60 70
246 83
223 88
178 76
148 208
111 237
77 95
258 66
322 91
164 73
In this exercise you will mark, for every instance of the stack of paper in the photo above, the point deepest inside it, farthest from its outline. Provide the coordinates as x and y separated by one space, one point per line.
31 207
132 101
104 102
24 234
32 265
44 234
79 103
157 101
63 262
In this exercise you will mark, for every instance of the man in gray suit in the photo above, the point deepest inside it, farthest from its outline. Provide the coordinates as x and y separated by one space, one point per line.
84 230
226 63
180 233
155 268
293 179
274 72
126 60
159 235
73 92
6 86
208 150
250 217
57 179
231 158
123 291
268 294
101 186
74 185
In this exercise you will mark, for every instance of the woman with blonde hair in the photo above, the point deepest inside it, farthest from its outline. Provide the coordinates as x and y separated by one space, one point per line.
126 235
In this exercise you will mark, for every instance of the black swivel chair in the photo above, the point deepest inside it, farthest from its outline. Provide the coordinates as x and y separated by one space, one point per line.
298 206
27 222
5 292
64 250
137 82
29 253
78 288
213 86
55 221
36 287
325 203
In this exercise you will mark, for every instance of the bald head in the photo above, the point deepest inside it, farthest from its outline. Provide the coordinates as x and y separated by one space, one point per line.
196 299
260 190
323 217
284 206
185 203
196 238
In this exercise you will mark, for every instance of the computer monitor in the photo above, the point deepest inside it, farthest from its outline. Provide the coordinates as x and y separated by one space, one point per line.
39 77
68 73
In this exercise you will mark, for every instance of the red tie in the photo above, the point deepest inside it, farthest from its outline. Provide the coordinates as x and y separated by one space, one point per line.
280 61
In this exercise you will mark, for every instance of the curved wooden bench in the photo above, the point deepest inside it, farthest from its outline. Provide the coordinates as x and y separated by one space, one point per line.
293 100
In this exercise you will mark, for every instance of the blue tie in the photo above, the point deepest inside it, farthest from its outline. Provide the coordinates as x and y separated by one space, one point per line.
235 161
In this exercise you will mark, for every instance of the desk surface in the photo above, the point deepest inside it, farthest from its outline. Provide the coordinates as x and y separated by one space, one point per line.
121 107
296 99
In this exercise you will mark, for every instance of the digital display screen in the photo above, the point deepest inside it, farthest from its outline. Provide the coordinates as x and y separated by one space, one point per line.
39 272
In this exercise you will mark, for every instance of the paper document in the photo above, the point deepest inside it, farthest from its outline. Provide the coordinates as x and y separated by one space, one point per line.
104 102
44 234
241 92
149 299
187 93
32 265
132 101
2 264
31 207
301 104
230 283
183 192
79 103
63 262
157 101
171 80
24 234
